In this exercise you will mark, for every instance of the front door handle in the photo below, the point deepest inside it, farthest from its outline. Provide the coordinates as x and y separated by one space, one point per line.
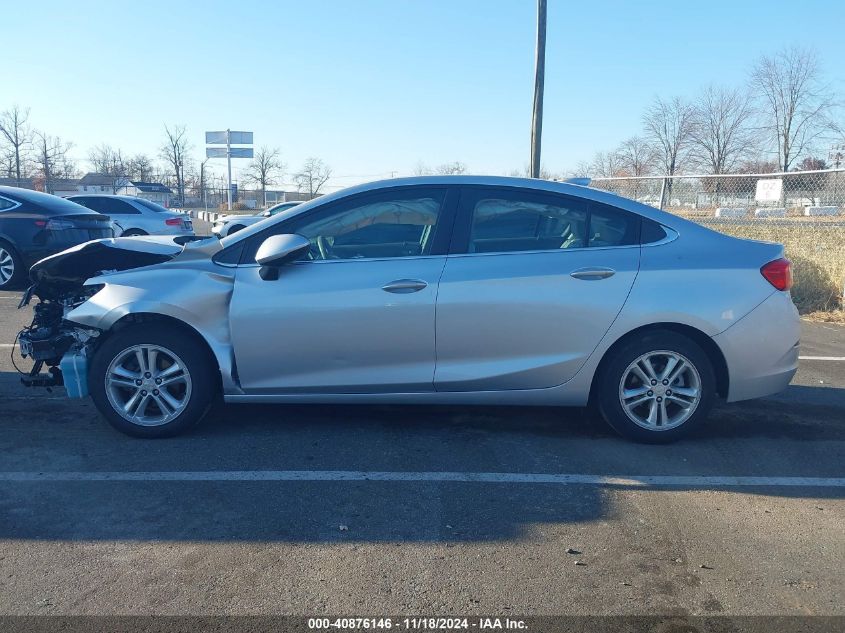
592 274
404 286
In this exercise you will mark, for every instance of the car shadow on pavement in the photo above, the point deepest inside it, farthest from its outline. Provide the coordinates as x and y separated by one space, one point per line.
768 438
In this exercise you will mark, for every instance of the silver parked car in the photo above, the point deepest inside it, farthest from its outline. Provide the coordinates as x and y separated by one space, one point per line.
232 223
135 216
452 289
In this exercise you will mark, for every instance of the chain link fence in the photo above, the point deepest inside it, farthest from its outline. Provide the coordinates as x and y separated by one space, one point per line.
804 211
215 199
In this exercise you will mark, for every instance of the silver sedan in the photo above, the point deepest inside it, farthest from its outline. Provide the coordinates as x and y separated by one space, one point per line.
134 216
455 289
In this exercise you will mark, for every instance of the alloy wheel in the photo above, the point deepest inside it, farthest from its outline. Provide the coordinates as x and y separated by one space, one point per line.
7 266
148 385
660 390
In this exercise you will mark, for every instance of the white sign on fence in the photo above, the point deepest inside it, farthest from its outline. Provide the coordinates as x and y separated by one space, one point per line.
769 190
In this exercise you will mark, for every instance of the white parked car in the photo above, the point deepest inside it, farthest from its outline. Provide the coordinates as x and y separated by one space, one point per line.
232 223
135 216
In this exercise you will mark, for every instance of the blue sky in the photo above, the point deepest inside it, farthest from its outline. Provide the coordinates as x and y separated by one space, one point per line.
375 86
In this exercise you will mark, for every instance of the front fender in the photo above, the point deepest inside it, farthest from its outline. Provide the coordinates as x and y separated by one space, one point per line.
197 298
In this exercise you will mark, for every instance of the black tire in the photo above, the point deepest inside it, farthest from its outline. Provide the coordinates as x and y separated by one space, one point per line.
133 233
19 271
203 372
235 229
614 371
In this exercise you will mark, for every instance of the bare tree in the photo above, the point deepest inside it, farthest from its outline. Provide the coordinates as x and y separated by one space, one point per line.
140 167
265 169
667 126
606 165
174 151
794 101
525 172
635 157
721 135
50 153
16 135
110 162
421 169
313 175
454 168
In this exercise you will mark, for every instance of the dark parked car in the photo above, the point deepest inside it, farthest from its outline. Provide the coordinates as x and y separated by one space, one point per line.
34 225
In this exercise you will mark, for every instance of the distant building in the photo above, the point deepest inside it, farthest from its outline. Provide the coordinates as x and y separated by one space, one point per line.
58 186
152 191
99 183
103 183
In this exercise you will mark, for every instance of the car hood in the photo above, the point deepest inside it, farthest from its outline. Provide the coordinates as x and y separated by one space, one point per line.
60 274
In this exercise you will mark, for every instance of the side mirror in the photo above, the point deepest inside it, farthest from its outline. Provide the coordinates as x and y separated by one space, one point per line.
266 214
277 250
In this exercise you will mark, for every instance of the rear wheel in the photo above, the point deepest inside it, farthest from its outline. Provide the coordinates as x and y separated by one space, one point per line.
133 233
151 381
12 269
656 388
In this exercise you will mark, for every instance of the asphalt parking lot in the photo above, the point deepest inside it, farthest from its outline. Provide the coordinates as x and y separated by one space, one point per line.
315 510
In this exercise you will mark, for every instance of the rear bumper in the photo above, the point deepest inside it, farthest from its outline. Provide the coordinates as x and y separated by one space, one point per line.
761 349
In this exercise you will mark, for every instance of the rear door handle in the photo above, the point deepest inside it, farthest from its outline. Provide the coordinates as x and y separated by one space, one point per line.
404 286
592 274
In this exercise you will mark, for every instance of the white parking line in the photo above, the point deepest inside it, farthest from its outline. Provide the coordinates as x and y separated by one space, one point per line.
445 477
836 358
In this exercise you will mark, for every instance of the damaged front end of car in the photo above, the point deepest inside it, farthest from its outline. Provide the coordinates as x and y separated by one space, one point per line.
58 282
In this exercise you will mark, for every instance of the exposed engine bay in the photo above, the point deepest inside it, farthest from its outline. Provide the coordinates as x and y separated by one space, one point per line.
59 286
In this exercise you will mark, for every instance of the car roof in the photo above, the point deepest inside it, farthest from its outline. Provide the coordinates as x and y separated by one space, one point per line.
42 199
104 195
537 184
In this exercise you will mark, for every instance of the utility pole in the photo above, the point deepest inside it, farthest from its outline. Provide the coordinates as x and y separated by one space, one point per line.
539 80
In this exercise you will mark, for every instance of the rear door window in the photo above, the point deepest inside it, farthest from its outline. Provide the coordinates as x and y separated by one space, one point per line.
512 220
506 220
108 206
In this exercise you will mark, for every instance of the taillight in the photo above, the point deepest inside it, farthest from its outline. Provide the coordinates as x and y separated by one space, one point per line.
778 273
55 224
173 221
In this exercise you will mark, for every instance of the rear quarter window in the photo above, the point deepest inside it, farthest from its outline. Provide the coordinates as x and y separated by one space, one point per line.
612 227
652 232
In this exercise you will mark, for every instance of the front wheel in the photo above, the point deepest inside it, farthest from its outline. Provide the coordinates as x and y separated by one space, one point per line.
151 381
12 270
656 388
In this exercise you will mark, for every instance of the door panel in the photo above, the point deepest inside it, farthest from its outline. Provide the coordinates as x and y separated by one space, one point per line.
521 320
337 326
534 281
